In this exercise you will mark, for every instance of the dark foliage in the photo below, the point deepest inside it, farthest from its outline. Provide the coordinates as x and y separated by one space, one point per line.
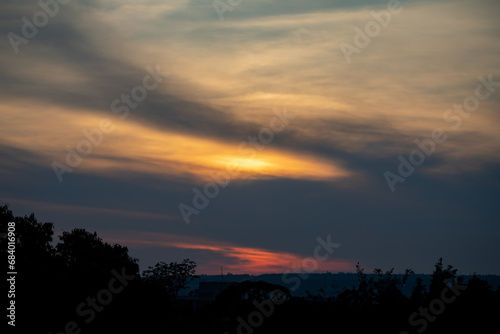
85 282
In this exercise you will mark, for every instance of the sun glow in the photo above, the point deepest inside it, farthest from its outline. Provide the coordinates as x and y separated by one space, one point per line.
136 147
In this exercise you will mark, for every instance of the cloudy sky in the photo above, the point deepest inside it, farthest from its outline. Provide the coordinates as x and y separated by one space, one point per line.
239 133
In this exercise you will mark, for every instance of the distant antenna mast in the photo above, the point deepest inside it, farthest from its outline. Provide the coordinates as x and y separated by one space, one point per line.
221 278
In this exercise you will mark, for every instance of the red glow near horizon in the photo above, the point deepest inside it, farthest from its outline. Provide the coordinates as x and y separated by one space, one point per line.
236 259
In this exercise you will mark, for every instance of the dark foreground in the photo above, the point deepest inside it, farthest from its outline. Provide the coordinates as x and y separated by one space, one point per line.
83 285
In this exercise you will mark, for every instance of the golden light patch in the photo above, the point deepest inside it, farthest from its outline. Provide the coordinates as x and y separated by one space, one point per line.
128 146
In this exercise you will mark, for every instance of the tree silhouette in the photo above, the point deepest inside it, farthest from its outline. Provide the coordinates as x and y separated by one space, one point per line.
33 240
439 276
248 291
37 280
54 279
419 293
378 289
173 277
81 252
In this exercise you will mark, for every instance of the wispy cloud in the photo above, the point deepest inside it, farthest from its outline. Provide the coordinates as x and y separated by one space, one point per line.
234 258
225 79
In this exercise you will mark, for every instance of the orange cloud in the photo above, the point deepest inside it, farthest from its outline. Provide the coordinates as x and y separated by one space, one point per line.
239 260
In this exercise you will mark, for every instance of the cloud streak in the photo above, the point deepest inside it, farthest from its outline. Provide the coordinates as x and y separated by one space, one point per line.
235 259
225 79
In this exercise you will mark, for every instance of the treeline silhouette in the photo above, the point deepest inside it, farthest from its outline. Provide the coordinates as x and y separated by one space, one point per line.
84 285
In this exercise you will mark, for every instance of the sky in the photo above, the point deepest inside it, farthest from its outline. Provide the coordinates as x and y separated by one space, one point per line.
247 134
